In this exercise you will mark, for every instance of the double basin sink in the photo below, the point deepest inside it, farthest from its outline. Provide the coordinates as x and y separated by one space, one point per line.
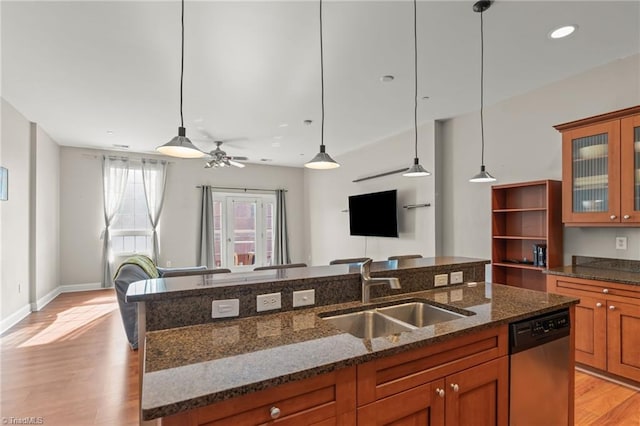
371 322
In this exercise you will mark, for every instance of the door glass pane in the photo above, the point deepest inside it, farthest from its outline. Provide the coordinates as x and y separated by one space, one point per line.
269 218
244 232
591 173
217 232
636 172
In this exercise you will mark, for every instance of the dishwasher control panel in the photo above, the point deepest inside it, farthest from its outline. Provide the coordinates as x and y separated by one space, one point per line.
538 330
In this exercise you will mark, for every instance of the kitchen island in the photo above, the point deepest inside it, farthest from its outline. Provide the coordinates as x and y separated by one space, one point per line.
195 370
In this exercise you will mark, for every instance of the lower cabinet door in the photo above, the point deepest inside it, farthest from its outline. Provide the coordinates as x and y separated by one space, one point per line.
419 406
623 338
479 396
591 332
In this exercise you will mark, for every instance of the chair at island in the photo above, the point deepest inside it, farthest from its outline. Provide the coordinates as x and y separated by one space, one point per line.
139 268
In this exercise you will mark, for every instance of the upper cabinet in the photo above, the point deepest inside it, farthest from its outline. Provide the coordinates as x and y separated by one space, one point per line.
601 170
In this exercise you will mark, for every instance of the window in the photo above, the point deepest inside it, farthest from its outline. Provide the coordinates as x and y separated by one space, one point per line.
243 230
131 232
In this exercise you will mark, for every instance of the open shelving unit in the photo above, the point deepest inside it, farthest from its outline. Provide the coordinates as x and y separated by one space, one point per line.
523 215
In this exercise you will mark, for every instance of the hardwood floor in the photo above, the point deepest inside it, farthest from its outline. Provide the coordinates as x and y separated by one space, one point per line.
70 364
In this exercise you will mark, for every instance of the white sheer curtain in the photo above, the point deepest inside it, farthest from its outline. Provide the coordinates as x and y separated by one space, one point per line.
206 249
154 177
281 253
115 172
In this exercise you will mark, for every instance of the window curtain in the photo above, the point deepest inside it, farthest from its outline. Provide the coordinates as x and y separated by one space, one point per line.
115 172
281 249
206 249
154 177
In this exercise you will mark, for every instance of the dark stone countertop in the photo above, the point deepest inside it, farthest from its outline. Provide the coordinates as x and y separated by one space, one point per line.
601 269
194 285
194 366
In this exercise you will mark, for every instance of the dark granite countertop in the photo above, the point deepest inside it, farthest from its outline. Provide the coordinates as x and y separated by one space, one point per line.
194 366
194 285
602 269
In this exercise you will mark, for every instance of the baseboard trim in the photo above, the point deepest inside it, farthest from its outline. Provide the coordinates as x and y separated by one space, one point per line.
15 318
71 288
44 300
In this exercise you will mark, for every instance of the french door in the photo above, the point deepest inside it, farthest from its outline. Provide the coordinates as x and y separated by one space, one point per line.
244 230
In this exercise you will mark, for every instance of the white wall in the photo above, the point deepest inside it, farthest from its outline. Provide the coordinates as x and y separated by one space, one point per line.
328 192
14 264
82 218
522 145
47 214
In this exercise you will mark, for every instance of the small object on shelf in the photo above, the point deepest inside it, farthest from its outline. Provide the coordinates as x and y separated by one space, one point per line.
593 151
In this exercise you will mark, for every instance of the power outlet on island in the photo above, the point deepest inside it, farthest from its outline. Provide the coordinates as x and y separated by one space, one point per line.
268 302
441 280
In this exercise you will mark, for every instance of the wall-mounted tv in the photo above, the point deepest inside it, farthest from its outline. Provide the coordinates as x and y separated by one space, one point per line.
374 214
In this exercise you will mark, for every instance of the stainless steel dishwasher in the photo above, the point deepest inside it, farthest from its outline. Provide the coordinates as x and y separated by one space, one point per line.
539 370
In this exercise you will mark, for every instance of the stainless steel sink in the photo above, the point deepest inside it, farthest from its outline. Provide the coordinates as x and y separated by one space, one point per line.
386 320
367 324
420 314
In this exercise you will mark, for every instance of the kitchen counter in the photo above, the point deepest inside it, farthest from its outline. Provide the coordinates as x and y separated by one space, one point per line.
194 366
601 269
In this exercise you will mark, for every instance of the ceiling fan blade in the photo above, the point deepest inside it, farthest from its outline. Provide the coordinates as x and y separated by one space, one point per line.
235 163
233 157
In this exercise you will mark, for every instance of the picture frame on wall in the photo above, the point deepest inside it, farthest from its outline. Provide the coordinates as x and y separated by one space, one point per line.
4 184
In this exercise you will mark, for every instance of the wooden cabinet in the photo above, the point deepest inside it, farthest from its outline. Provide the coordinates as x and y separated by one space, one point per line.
601 170
525 215
462 382
607 324
327 399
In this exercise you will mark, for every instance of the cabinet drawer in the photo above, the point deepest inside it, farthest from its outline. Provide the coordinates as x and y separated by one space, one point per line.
577 286
387 376
326 399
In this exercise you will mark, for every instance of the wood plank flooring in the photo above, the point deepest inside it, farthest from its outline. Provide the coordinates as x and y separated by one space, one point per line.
70 364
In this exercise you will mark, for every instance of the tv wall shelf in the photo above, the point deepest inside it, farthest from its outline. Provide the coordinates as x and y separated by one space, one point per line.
524 215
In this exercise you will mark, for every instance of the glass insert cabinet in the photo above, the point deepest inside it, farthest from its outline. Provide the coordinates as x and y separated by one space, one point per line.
601 170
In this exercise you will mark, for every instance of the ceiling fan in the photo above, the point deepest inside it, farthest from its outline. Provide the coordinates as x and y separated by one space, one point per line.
219 158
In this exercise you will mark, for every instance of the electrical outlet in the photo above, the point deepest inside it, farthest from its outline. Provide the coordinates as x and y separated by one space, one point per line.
168 264
441 280
225 308
304 298
621 243
456 277
267 302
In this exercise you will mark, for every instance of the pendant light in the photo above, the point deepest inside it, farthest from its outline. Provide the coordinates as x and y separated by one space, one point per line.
181 146
322 160
483 176
416 170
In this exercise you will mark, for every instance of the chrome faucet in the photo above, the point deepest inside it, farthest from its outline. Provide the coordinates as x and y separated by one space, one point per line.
368 282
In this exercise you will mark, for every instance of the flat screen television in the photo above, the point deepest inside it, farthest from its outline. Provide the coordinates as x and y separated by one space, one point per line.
374 214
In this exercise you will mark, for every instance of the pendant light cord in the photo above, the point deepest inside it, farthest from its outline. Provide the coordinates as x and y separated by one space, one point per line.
415 73
182 67
321 81
482 85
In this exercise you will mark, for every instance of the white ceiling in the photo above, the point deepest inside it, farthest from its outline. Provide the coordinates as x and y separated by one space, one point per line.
83 68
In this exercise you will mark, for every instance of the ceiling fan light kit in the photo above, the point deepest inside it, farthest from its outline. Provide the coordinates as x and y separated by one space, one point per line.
322 161
484 176
219 158
416 170
181 146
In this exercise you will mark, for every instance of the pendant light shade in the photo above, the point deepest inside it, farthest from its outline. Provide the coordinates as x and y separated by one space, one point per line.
483 176
322 160
416 170
181 146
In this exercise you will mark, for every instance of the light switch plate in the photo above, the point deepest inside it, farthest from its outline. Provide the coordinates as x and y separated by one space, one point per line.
456 277
225 308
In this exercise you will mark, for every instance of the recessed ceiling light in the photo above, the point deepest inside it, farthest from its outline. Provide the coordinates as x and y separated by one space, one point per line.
387 78
276 144
283 125
277 137
307 122
198 120
425 97
562 32
109 132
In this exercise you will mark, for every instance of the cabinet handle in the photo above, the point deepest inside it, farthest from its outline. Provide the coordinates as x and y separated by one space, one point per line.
605 290
440 392
275 412
598 305
455 387
613 217
612 308
626 216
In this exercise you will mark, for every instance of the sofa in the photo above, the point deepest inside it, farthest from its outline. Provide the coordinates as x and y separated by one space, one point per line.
138 268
